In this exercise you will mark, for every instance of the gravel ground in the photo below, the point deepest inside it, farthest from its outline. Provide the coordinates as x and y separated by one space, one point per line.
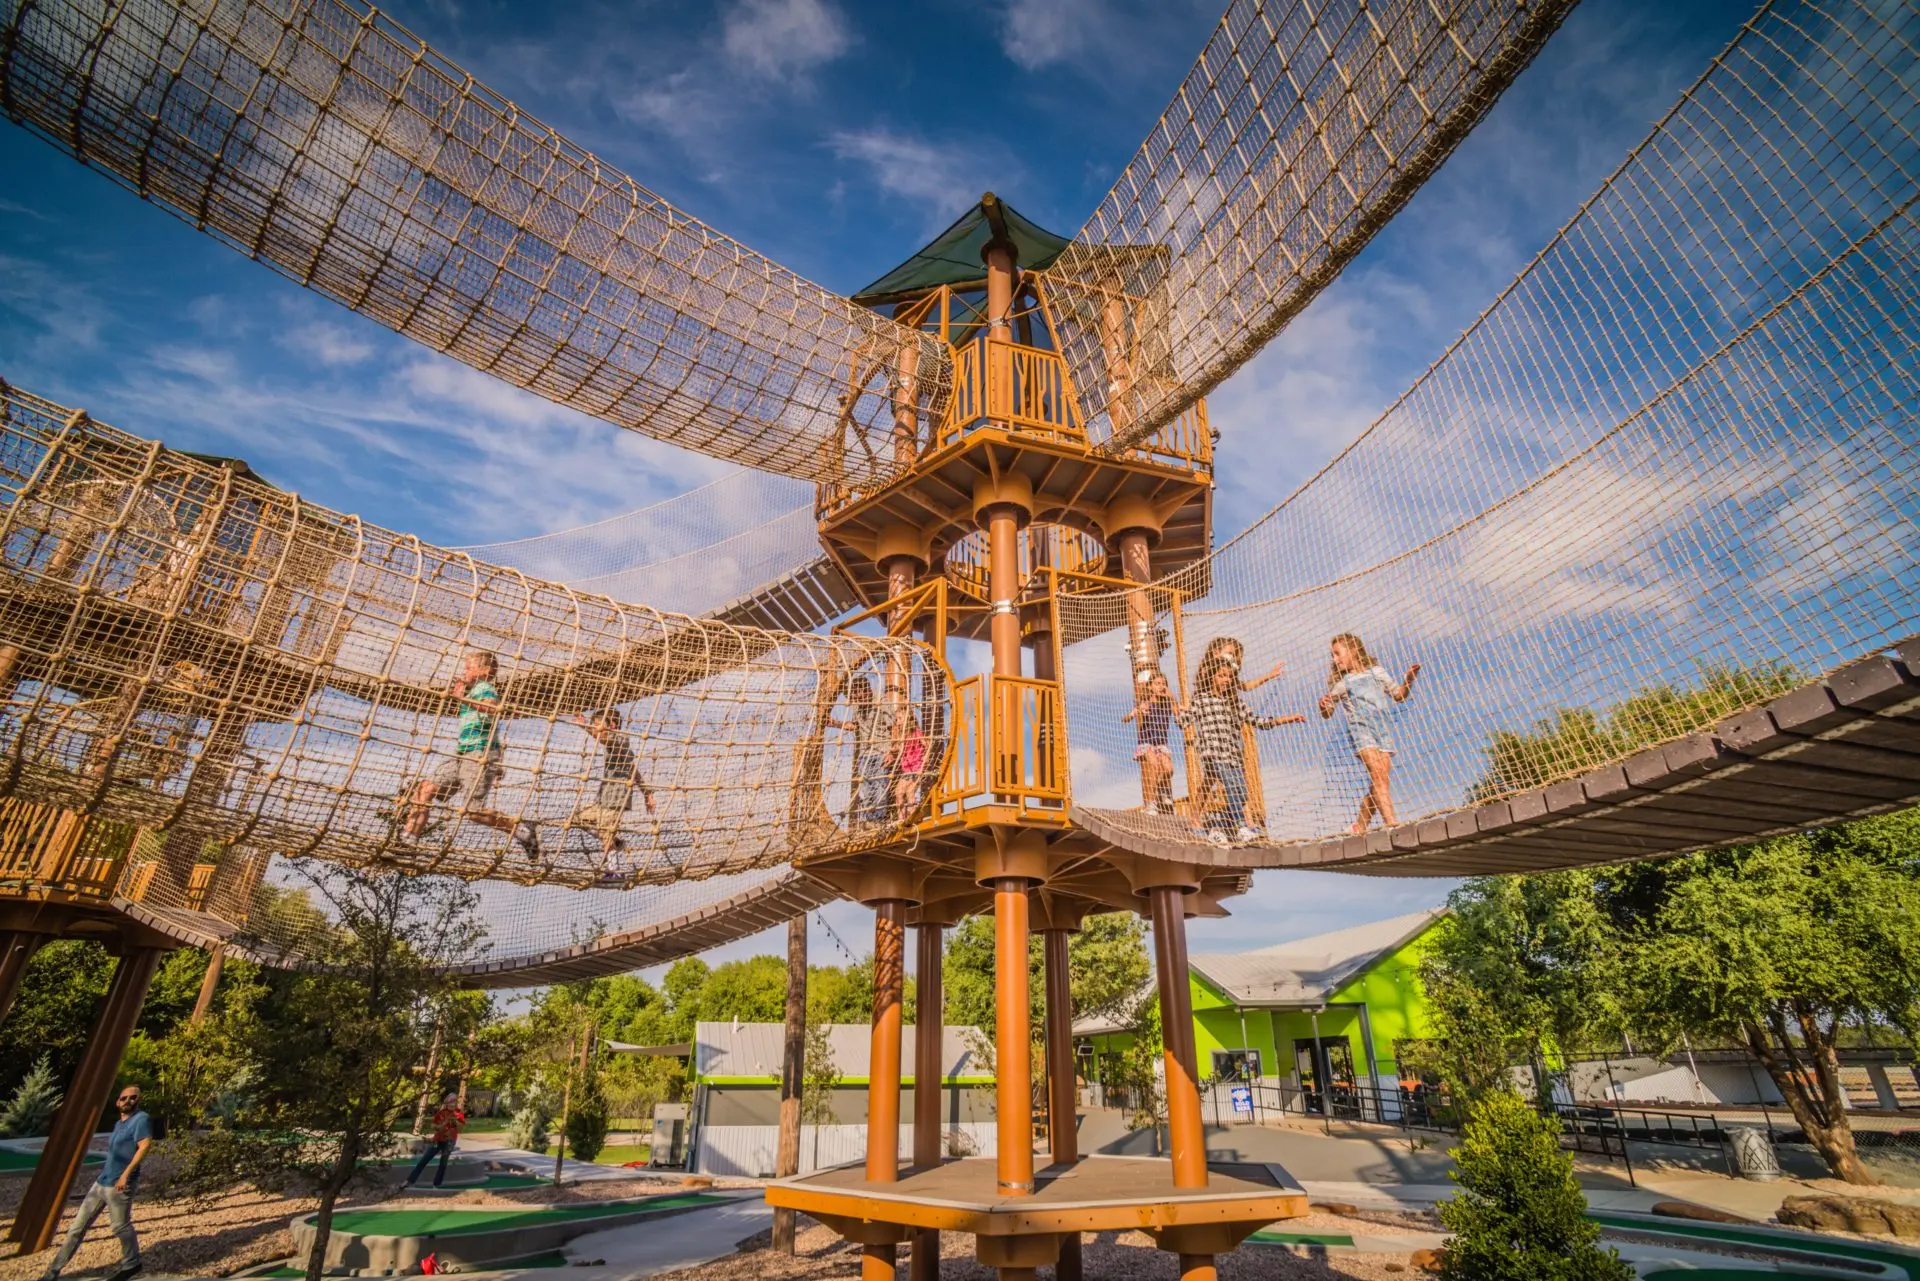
1124 1256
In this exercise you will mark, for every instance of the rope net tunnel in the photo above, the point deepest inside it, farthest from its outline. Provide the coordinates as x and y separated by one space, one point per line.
331 144
192 651
1668 475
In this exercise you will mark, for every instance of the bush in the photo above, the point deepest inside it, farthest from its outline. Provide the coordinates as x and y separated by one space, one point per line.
528 1129
30 1111
1520 1216
587 1121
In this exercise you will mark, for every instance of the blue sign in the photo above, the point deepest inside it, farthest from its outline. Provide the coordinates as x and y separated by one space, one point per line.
1242 1096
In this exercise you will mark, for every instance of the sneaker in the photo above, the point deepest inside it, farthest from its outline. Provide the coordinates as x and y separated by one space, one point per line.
529 840
1218 838
125 1272
1247 835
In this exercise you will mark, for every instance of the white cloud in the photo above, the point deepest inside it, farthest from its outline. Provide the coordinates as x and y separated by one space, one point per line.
331 345
783 40
938 179
1035 33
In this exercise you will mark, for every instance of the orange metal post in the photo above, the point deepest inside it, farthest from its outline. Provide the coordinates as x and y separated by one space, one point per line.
900 572
86 1099
1198 1267
1003 583
999 255
1013 1087
1186 1131
906 406
883 1083
1063 1096
929 1019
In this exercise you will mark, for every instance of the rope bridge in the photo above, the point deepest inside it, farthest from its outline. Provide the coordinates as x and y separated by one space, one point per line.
1667 476
330 143
187 648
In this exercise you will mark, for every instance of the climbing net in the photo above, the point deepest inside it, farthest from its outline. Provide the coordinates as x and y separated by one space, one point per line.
1301 130
1669 473
331 144
186 649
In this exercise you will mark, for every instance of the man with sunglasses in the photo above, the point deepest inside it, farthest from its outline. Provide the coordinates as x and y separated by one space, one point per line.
126 1148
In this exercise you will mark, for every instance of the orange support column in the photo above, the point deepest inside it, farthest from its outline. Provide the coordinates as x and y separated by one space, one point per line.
883 1083
1186 1131
1013 1023
16 953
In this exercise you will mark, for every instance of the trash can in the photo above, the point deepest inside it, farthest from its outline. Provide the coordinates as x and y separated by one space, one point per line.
1753 1154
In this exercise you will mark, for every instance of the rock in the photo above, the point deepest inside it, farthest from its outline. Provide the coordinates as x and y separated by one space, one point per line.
1395 1267
1334 1207
1427 1260
1864 1215
1703 1213
696 1181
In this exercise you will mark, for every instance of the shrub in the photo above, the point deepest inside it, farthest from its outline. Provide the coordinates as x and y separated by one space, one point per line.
30 1111
1520 1215
587 1121
528 1129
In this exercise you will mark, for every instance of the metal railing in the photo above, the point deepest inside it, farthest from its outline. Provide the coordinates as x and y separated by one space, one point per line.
1022 388
1040 546
1009 746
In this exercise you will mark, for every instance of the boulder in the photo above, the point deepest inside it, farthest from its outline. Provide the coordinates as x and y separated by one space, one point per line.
1865 1215
1428 1260
697 1181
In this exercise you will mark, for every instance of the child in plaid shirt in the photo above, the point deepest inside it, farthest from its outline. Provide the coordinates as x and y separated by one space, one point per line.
1214 718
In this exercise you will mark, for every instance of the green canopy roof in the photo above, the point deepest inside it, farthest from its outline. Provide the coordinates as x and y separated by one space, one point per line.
953 257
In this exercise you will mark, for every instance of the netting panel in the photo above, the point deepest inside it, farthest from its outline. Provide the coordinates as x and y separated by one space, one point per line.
187 650
690 554
1667 475
1302 129
324 140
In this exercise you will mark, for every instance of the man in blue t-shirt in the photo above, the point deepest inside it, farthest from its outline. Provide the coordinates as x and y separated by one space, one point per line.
119 1178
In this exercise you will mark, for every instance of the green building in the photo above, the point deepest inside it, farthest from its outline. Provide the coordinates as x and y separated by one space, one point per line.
1299 1018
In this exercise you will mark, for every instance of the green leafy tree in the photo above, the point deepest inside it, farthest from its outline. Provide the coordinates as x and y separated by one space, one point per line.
1520 1215
1777 947
1517 969
1571 740
337 1052
29 1111
53 1013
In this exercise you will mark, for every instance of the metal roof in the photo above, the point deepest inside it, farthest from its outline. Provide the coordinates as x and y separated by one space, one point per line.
1307 972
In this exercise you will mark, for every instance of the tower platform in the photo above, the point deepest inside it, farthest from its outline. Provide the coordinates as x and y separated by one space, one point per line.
1096 1194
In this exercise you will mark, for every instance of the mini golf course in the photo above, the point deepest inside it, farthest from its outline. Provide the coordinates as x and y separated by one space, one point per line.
1823 1257
383 1241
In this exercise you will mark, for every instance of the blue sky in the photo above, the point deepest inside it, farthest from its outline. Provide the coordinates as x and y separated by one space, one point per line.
835 137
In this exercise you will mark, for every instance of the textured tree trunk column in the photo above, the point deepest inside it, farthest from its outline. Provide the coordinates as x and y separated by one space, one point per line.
1136 565
16 953
793 1066
928 1065
1013 1075
1063 1138
86 1098
1186 1132
883 1081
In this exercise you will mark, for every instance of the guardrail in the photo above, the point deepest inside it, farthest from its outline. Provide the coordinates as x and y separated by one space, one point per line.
1009 746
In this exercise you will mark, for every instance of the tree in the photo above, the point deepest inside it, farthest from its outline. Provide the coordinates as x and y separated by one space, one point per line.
1520 1215
1518 966
1777 946
820 1077
30 1110
337 1052
587 1118
1574 739
53 1014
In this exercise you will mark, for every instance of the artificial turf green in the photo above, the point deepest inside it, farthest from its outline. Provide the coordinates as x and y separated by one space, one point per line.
453 1222
1302 1238
12 1159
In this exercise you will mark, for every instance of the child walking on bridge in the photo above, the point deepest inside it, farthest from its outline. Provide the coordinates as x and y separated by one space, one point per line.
1152 719
475 767
1215 717
619 776
1369 694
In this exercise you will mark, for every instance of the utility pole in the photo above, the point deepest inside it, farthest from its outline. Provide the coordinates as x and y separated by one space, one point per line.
793 1059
